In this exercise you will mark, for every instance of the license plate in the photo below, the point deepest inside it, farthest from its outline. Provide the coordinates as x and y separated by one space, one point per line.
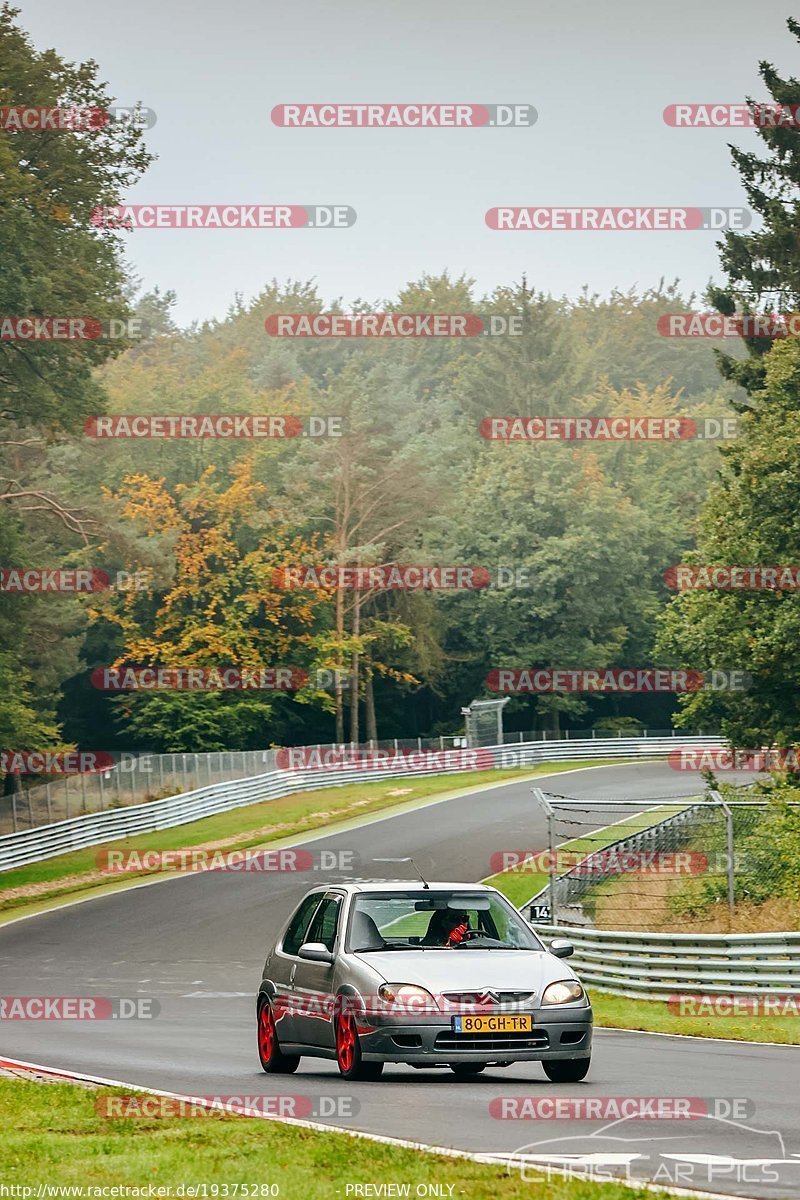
519 1024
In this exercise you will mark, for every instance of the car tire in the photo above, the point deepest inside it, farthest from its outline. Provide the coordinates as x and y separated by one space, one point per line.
273 1060
467 1070
566 1070
348 1050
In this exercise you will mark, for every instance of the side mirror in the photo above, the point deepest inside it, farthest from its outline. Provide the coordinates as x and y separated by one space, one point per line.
315 952
559 947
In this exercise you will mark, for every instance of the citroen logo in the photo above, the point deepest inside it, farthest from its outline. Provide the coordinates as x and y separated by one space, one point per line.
488 997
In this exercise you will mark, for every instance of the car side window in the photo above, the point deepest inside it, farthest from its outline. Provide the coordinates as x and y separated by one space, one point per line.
296 931
326 920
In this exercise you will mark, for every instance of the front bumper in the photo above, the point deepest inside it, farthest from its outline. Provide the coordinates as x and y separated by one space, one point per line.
430 1039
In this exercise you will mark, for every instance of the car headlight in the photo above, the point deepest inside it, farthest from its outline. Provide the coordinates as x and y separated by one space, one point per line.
408 997
565 991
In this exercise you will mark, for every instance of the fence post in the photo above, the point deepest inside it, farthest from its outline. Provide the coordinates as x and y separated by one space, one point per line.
729 841
539 795
14 811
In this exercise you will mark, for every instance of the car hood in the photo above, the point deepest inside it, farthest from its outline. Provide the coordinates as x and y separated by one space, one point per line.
470 970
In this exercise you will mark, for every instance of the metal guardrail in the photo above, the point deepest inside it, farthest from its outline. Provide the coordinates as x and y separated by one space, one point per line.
654 966
61 837
144 777
568 889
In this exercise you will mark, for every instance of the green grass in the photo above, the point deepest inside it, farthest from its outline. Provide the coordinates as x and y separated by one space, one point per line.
53 1134
626 1012
254 825
653 1016
520 884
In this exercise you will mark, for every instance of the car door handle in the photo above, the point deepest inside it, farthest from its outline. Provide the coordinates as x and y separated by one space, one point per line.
291 974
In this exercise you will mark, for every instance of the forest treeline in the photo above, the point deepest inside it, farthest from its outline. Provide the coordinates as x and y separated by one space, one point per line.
193 533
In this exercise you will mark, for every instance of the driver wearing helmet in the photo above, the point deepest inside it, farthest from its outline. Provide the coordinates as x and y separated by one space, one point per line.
447 928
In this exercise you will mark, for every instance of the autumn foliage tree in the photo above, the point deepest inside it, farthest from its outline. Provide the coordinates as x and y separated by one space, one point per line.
221 608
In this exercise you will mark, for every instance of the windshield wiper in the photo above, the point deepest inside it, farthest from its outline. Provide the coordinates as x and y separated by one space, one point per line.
388 946
476 947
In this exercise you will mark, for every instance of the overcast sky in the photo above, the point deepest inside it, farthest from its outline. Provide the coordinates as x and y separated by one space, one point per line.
599 72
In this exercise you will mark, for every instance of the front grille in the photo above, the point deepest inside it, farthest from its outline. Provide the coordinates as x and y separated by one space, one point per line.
536 1039
476 998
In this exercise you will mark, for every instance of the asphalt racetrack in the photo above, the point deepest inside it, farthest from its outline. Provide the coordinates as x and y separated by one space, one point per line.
196 943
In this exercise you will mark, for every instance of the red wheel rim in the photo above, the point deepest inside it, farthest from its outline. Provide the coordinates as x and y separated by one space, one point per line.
266 1033
346 1041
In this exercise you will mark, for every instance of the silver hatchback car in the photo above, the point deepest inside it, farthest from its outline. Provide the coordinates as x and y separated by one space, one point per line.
440 974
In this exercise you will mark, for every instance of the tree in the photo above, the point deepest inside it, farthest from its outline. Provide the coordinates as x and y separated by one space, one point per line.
554 513
752 518
763 267
55 261
221 608
369 492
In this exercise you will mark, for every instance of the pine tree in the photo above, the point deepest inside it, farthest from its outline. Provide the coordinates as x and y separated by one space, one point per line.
763 266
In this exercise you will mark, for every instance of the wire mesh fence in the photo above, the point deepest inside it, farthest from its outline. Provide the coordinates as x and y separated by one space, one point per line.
134 779
139 778
703 864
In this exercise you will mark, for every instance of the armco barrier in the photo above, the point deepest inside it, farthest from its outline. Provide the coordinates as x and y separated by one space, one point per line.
571 886
46 841
654 966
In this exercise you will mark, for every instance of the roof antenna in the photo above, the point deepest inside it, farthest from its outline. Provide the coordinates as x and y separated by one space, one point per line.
425 883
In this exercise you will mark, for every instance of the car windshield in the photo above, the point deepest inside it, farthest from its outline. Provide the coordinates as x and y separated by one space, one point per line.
436 920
